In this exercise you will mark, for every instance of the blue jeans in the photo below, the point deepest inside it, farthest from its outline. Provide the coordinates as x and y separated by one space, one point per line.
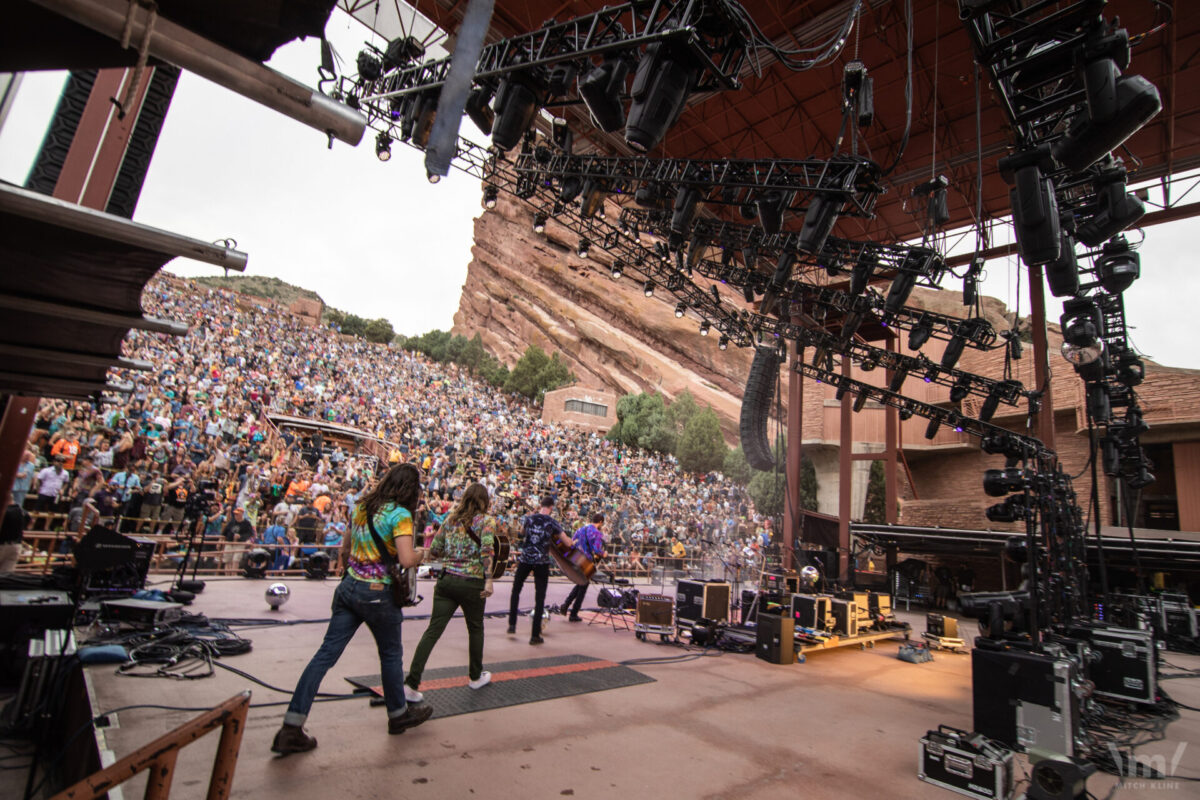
355 602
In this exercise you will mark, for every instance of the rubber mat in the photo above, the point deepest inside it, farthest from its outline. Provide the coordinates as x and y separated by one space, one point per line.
515 682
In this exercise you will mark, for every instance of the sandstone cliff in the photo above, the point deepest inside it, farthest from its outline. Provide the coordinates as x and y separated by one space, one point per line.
526 288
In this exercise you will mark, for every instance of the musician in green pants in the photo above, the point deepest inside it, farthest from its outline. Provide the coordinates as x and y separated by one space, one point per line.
466 544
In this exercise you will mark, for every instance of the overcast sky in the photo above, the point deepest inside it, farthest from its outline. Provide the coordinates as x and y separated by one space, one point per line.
378 240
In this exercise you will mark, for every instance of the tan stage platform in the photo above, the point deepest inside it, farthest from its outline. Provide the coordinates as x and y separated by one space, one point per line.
845 724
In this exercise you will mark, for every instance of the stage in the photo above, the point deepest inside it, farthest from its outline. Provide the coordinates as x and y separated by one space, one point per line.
844 724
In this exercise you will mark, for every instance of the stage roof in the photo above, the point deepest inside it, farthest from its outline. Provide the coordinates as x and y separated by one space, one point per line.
798 114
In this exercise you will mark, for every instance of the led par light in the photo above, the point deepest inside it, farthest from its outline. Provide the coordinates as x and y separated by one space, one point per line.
1118 266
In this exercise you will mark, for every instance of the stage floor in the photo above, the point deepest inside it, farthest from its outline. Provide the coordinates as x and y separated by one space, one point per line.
844 724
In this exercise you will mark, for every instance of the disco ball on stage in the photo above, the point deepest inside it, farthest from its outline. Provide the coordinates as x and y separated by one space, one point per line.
277 594
809 576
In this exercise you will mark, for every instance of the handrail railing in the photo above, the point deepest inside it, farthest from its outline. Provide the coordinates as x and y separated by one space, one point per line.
159 757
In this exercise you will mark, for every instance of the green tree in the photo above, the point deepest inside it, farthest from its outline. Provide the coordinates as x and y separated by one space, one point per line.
735 467
378 331
535 373
473 354
642 422
768 490
701 447
875 509
681 412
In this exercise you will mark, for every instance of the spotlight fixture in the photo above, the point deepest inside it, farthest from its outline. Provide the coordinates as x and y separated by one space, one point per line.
1118 266
932 428
723 342
1082 327
517 103
999 482
770 206
383 146
819 220
257 562
601 89
592 201
316 566
859 402
433 177
569 188
1062 274
1117 108
704 328
539 223
684 209
920 333
479 110
954 350
370 68
1118 210
905 412
990 404
648 289
680 310
584 245
897 380
490 196
1035 214
960 390
860 275
661 85
618 269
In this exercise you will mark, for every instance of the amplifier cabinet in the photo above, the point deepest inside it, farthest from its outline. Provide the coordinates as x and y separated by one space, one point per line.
845 617
749 607
941 625
655 609
1127 667
862 602
880 603
702 600
1026 700
965 763
784 583
812 611
775 638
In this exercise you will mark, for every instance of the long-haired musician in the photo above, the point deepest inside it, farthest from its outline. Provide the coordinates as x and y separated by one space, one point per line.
364 596
466 544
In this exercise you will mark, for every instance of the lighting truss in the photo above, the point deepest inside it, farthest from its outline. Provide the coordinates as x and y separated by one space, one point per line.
851 179
704 30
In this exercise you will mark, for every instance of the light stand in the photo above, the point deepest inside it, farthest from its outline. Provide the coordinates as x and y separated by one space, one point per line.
181 584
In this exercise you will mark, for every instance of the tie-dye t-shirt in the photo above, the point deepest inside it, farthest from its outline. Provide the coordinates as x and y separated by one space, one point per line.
391 522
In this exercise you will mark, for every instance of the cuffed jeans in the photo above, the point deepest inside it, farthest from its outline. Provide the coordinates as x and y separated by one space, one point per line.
355 602
541 577
451 592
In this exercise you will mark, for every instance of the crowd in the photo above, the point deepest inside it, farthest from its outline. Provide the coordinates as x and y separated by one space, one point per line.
191 446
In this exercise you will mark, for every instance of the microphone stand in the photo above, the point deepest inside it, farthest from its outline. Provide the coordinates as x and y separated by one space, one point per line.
195 586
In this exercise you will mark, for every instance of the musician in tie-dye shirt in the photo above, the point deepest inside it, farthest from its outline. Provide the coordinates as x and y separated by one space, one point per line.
364 596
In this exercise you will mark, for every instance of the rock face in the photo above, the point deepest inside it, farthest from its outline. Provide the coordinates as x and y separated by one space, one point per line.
526 288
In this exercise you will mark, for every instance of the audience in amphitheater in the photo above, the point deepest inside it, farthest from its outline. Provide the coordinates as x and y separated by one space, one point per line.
192 442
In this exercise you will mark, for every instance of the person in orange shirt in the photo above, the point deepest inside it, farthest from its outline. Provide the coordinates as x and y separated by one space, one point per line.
299 485
322 504
68 448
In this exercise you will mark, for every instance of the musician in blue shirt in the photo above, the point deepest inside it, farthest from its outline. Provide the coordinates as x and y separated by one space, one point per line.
538 531
589 539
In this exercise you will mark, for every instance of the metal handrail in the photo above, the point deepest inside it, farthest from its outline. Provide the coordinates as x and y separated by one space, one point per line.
159 757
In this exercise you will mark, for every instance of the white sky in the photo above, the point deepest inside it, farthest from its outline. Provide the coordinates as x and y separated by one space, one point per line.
376 239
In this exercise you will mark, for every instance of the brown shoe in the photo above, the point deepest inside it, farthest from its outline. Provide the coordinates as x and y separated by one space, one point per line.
413 716
292 739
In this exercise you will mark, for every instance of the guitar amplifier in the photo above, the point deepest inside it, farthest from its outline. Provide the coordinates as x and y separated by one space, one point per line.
696 600
783 583
880 604
655 609
845 617
749 607
966 763
1127 667
941 626
144 612
1025 700
812 611
862 603
775 639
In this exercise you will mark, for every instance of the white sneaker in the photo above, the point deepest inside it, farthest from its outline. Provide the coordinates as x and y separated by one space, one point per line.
483 680
412 695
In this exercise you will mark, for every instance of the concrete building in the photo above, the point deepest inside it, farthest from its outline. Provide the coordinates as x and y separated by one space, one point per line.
591 409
